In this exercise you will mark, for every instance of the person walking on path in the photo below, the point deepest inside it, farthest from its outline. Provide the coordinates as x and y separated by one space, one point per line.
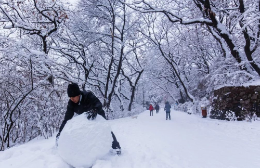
151 109
167 108
157 107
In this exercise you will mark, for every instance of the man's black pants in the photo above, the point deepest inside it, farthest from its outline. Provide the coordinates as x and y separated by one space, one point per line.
115 143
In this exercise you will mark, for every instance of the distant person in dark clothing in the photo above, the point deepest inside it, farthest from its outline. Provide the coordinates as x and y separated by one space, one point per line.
151 109
84 101
157 107
167 108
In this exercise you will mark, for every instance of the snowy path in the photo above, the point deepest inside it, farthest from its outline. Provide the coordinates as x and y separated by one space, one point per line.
186 141
189 141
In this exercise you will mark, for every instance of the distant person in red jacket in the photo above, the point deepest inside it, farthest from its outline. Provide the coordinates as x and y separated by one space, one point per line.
151 109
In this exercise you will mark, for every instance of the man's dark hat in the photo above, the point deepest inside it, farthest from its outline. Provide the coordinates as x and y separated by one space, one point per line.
73 90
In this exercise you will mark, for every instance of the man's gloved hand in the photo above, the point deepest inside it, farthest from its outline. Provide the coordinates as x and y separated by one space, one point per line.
92 114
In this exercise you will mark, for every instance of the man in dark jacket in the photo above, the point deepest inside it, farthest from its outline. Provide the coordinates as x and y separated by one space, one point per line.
84 101
167 108
157 107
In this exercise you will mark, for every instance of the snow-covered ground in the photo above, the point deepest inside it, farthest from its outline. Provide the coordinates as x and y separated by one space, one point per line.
186 141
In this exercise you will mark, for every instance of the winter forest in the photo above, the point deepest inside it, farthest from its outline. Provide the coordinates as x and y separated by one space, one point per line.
127 52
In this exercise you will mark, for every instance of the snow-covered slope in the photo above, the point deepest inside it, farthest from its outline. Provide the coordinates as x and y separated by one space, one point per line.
186 141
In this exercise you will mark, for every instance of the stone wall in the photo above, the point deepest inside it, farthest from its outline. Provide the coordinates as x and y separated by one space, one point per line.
236 103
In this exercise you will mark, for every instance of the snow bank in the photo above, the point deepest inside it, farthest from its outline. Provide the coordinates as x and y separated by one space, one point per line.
83 141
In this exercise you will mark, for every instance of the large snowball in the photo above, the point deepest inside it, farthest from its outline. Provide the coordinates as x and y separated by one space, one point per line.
83 141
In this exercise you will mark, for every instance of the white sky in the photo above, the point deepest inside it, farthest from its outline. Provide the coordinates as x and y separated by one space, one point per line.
73 2
186 141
